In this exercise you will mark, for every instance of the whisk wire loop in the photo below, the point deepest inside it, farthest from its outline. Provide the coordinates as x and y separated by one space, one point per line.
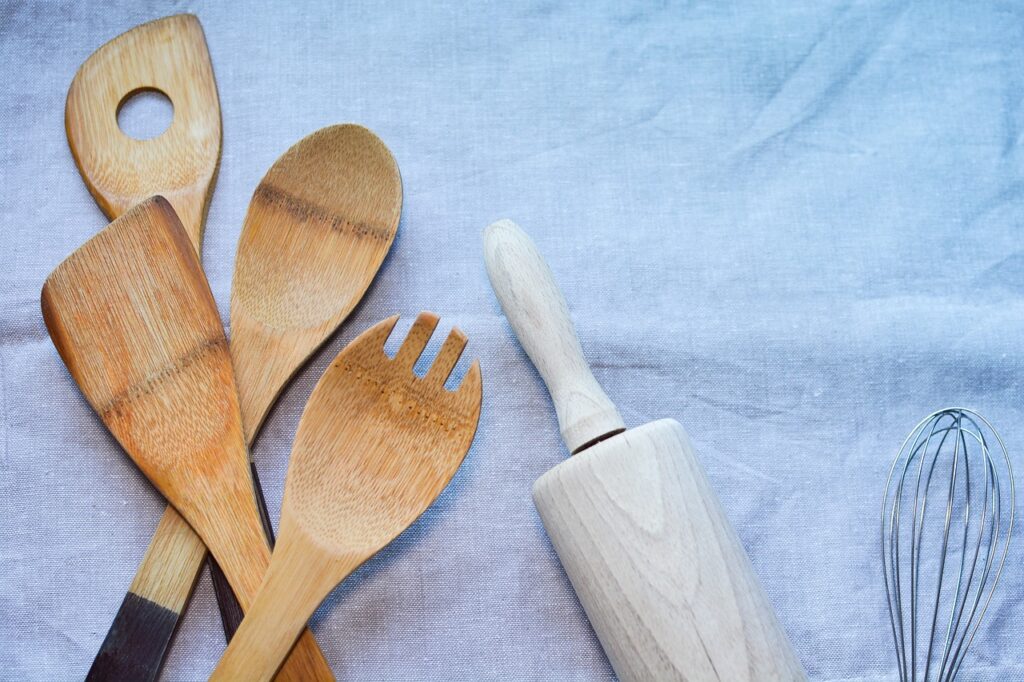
948 454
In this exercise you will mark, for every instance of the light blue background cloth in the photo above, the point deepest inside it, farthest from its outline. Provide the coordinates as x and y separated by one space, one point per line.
796 227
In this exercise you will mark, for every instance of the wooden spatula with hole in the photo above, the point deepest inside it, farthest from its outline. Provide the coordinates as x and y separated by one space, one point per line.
375 446
168 55
134 321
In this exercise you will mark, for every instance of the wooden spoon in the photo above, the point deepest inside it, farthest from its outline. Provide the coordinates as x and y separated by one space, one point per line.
168 55
134 320
375 446
318 228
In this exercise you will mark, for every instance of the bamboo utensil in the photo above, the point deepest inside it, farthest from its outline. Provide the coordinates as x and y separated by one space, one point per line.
134 321
642 536
318 228
168 55
375 446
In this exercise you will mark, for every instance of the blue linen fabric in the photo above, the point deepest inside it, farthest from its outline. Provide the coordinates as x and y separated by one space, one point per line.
796 227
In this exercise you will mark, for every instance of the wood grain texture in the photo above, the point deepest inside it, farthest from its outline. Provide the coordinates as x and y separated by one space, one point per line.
168 55
659 570
375 446
134 321
357 182
174 546
642 536
540 317
318 228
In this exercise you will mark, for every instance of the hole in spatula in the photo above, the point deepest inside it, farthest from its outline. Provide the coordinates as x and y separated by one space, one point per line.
145 114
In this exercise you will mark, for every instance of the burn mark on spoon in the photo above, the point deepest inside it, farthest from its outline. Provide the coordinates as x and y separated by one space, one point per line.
306 211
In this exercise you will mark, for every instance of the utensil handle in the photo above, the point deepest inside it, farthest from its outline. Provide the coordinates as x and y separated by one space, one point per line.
295 583
231 613
138 639
540 318
234 535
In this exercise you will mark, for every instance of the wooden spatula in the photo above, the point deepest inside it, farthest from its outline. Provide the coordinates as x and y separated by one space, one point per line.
375 446
134 320
168 55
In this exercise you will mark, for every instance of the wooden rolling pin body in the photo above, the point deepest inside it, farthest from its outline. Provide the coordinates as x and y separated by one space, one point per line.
643 538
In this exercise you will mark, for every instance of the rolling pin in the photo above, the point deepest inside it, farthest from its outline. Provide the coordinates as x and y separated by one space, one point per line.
644 540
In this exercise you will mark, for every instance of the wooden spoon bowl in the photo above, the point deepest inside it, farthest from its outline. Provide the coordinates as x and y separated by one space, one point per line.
318 228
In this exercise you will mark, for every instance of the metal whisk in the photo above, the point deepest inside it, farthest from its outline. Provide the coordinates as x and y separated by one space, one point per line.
947 516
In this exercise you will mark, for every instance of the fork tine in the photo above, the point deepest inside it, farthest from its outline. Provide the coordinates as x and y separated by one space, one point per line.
416 340
376 335
446 358
471 386
382 330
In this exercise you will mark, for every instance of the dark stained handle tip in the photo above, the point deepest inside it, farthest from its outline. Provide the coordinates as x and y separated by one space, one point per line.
136 643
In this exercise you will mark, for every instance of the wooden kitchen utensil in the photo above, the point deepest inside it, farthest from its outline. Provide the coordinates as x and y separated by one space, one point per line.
134 321
319 226
646 544
375 446
168 55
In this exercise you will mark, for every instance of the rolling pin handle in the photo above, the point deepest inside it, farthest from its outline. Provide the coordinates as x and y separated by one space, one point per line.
540 318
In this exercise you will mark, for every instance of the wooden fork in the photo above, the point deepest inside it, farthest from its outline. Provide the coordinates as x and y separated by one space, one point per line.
375 446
